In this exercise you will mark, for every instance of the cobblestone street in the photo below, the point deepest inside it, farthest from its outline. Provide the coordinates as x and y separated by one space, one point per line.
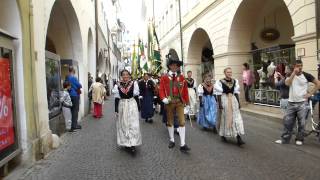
92 153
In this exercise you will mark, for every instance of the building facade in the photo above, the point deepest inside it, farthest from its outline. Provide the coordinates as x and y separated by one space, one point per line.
267 34
39 41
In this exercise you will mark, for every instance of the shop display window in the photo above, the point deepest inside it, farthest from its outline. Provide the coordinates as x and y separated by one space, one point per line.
8 124
265 63
53 79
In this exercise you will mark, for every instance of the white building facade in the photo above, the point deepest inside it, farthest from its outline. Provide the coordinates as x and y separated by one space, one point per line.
233 32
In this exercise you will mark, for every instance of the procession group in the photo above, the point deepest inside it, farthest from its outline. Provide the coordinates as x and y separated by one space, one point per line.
177 96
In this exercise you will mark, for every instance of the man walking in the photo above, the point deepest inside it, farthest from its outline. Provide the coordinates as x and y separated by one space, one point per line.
174 94
297 103
75 92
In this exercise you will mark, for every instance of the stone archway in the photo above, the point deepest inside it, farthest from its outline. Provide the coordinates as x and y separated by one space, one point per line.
261 34
200 52
254 15
64 31
64 36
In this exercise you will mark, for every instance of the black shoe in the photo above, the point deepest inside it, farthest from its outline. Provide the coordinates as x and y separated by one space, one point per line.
72 130
171 145
184 148
215 130
78 127
133 149
224 139
239 141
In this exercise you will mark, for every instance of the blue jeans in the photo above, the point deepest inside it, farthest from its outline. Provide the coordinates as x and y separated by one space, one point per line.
74 111
295 111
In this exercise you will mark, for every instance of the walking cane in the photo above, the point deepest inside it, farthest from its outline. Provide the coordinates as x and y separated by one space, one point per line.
190 116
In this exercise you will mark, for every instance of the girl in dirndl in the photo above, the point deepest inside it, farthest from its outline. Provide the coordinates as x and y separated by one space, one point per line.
208 105
231 123
126 108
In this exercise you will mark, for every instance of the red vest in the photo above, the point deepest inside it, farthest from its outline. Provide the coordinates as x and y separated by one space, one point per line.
174 87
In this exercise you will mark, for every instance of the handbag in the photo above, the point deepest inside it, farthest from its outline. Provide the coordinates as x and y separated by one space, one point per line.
78 91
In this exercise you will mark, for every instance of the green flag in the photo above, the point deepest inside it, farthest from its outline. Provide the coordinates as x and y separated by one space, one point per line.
133 63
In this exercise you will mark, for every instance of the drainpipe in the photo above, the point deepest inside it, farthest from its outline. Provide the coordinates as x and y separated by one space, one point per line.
97 39
181 34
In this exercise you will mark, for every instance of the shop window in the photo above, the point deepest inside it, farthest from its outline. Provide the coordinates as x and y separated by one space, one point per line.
53 79
265 63
8 124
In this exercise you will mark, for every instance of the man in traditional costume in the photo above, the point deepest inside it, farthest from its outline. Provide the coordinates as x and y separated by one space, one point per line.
174 94
147 87
126 108
231 124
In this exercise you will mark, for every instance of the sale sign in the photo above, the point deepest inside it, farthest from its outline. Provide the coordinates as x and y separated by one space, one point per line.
6 106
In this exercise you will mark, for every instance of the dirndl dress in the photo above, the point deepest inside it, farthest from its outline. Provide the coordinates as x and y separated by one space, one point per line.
208 112
231 123
127 122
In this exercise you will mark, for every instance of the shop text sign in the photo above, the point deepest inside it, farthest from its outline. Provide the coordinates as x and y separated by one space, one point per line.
6 116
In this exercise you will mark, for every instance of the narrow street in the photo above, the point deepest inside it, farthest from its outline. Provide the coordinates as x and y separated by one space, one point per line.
92 153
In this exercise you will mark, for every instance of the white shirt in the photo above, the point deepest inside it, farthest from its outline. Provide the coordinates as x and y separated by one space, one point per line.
299 87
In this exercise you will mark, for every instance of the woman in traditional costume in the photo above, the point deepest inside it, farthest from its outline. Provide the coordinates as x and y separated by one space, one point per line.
231 124
208 105
192 93
126 108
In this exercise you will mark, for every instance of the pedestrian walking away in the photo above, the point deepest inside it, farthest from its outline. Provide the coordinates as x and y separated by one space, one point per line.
66 104
127 114
192 93
74 92
174 94
231 123
98 93
90 81
297 103
147 88
208 105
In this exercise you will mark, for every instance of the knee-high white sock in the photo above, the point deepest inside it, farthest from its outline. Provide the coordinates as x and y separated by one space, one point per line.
182 134
171 133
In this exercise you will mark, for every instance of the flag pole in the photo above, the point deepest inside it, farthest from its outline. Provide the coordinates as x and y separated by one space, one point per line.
181 35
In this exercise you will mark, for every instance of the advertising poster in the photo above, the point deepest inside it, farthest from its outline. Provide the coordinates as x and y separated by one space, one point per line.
6 111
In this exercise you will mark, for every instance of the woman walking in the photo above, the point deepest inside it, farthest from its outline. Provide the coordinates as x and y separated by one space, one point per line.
98 94
126 108
231 124
208 104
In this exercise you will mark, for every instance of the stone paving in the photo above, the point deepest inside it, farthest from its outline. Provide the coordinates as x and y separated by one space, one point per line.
92 153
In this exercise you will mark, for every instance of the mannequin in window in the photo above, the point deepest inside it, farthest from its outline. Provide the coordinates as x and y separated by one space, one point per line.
262 78
271 68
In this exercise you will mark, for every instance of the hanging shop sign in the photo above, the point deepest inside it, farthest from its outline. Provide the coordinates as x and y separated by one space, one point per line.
270 34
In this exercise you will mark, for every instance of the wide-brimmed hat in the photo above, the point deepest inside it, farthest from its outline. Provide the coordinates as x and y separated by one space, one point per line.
173 58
